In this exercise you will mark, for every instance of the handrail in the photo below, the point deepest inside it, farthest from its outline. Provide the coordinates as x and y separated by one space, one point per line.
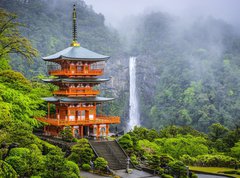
82 72
127 155
95 152
112 153
98 120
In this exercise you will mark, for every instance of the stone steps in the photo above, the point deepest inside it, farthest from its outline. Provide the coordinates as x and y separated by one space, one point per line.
112 152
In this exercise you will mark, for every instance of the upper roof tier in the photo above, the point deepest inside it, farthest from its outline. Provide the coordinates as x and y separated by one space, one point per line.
76 80
76 53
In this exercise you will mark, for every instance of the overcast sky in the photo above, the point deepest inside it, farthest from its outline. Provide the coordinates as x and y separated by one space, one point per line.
115 10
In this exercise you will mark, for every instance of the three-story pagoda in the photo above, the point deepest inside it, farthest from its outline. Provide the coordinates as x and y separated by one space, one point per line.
77 70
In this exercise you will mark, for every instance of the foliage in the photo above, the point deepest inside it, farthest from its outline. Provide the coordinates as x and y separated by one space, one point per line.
100 164
178 168
235 151
126 142
11 40
215 161
81 153
181 145
19 165
86 167
73 168
66 134
6 170
57 166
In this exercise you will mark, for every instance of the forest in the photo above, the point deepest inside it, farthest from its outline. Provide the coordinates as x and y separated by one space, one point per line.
188 78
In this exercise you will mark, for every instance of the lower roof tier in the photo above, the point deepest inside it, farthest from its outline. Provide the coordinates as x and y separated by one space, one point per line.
76 80
96 99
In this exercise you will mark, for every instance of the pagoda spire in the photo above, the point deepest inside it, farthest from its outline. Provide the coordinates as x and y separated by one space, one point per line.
74 30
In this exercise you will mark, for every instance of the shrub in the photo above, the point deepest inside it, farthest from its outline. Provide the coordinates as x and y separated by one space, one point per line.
6 170
134 159
47 147
73 167
126 142
86 167
100 164
21 152
81 153
215 161
66 134
177 168
188 160
166 176
18 164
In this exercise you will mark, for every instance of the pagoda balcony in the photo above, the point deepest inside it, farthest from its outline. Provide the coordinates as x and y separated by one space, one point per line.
64 72
77 92
98 120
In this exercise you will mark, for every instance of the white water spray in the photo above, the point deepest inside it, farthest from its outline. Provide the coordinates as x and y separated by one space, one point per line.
133 101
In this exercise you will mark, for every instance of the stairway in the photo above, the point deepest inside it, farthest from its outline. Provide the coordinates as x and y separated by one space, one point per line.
112 152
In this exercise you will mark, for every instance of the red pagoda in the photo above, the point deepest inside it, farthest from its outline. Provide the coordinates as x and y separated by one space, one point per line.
77 72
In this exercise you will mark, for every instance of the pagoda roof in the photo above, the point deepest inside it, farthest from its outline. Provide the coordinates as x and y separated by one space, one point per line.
76 53
76 80
77 99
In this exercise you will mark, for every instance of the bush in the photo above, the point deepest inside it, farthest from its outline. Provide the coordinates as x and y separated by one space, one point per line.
86 167
47 147
126 143
188 160
66 134
166 176
6 170
18 164
81 153
177 168
215 161
134 159
73 167
100 164
21 152
194 175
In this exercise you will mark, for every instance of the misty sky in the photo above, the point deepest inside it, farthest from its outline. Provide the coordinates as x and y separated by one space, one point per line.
115 10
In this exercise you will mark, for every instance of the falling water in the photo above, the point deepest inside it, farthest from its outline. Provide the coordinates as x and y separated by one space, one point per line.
133 101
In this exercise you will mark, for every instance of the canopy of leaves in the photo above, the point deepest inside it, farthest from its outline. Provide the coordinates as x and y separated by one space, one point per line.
11 41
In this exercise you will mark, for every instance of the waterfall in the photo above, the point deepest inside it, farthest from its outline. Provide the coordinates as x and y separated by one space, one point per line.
133 100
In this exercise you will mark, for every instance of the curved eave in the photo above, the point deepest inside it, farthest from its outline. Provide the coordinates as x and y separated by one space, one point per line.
76 59
77 80
77 100
76 54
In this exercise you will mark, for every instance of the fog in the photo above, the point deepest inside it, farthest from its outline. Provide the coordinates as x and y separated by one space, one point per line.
116 10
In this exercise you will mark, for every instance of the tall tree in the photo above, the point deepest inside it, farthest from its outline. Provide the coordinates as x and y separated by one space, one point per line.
11 40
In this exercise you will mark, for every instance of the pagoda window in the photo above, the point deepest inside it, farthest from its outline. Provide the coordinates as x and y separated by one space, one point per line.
91 114
53 67
83 113
72 115
97 65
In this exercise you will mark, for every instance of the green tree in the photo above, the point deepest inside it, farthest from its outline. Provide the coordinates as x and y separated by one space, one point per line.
81 153
11 40
6 170
100 164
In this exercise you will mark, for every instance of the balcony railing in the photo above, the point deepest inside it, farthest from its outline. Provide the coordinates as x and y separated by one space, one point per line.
77 92
98 120
64 72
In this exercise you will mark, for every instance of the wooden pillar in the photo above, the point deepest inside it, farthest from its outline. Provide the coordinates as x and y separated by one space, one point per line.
98 131
68 112
48 110
107 129
81 131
